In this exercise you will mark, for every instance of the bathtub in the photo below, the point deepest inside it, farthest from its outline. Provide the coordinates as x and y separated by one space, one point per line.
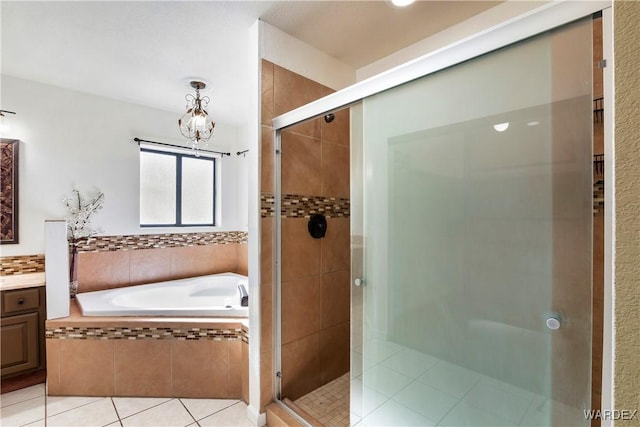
220 295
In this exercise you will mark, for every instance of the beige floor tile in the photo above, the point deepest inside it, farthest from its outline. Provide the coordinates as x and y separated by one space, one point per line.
59 404
39 423
22 395
233 416
201 408
25 412
99 413
168 414
127 406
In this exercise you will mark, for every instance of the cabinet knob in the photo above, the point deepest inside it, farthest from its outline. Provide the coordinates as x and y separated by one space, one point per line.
21 301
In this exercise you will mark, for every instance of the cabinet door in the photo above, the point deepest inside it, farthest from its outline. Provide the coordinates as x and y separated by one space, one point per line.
19 343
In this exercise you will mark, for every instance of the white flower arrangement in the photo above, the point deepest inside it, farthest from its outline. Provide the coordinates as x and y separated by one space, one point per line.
79 215
79 227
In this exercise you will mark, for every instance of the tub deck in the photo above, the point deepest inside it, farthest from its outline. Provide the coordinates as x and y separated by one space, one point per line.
76 318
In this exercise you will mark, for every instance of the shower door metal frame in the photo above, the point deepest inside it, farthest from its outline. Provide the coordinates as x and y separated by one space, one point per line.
544 18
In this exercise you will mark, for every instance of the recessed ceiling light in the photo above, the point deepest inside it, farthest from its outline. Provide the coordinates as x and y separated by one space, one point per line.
534 123
402 3
501 127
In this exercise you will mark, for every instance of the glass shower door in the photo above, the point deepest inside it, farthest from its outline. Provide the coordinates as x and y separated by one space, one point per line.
475 281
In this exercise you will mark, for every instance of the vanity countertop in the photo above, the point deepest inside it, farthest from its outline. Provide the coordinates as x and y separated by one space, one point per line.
21 281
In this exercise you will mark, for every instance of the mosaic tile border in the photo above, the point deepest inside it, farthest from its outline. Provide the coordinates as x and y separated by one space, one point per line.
267 205
301 206
598 197
144 333
150 241
21 264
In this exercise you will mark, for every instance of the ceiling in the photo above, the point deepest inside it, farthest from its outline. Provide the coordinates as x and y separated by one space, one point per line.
146 52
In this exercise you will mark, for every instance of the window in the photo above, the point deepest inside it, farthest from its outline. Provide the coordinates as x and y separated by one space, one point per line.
176 189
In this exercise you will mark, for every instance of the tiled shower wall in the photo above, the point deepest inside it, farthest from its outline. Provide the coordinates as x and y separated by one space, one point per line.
315 272
107 262
598 232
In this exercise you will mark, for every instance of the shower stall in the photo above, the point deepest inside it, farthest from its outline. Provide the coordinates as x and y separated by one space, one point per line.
470 231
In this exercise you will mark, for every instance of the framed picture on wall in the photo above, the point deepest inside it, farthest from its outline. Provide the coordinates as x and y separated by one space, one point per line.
9 188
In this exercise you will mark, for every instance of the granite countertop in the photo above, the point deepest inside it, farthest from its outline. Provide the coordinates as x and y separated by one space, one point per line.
21 281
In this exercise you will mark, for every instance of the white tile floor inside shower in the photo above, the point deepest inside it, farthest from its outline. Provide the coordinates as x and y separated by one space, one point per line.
398 386
27 407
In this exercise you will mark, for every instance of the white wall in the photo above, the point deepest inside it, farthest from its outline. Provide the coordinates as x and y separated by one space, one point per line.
288 52
249 134
70 138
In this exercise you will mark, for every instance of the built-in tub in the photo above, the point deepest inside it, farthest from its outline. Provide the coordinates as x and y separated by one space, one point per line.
220 295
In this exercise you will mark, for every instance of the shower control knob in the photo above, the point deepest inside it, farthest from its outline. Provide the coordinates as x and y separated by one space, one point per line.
553 323
358 281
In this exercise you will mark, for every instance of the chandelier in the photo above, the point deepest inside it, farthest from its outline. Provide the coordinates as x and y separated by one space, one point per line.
196 125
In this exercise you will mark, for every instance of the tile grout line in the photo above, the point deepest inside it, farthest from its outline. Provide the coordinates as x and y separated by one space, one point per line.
169 399
188 411
532 403
115 409
461 399
22 401
26 400
171 346
414 380
75 407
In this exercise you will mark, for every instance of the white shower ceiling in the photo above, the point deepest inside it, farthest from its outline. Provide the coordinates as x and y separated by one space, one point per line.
145 52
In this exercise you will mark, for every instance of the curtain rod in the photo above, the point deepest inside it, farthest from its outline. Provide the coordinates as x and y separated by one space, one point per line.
138 140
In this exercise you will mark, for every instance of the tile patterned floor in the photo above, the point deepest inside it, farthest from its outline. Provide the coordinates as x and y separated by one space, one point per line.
398 386
393 386
329 404
30 407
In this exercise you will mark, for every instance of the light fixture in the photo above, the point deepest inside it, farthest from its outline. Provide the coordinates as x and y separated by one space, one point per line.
501 127
402 3
196 125
534 123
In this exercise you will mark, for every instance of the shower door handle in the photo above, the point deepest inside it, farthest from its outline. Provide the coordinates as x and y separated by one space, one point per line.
359 281
553 323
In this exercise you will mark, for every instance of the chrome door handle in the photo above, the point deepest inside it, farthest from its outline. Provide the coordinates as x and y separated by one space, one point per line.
359 281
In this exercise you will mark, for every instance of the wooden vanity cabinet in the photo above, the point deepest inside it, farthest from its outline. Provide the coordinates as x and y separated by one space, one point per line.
22 331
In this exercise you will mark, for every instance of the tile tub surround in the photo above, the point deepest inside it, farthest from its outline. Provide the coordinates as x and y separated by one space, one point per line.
107 262
147 357
21 264
151 241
